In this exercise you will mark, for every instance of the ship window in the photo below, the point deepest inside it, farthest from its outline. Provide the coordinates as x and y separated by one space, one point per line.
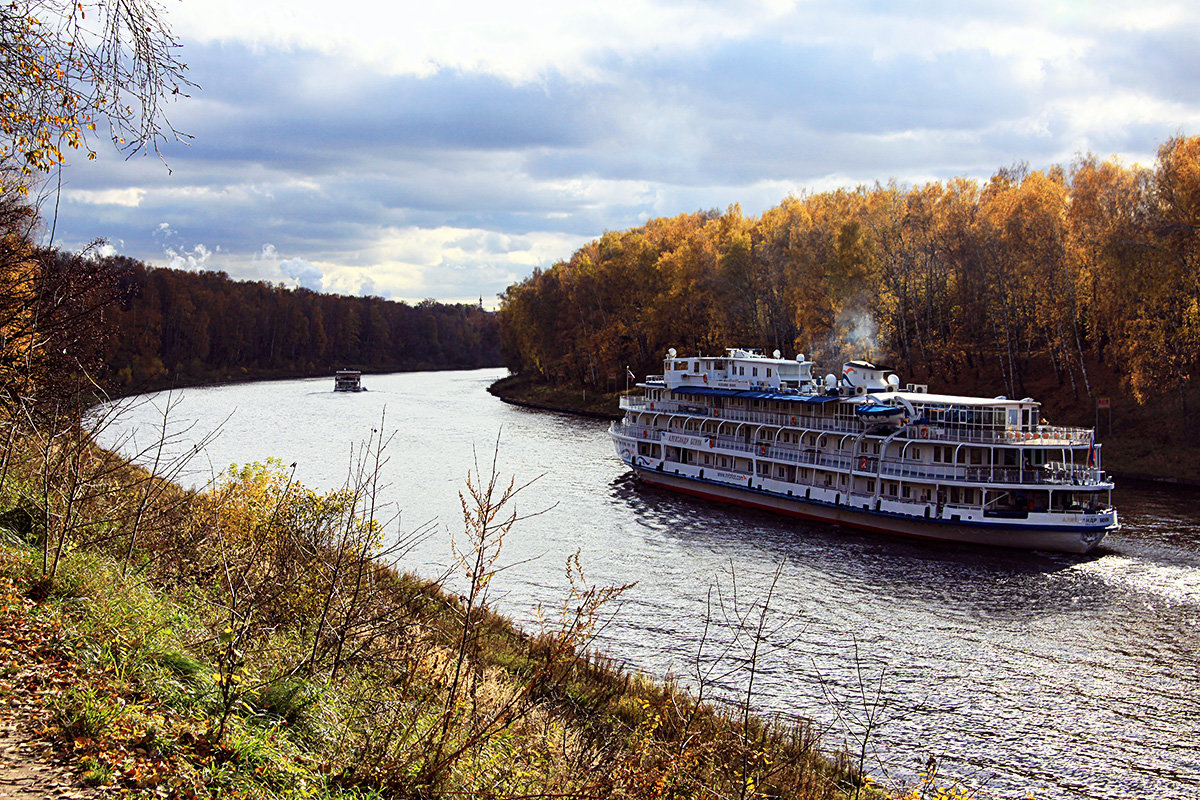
779 472
741 370
768 372
906 492
842 480
754 372
706 458
870 485
976 455
916 454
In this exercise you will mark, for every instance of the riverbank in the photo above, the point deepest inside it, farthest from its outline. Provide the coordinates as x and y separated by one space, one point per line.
253 641
520 390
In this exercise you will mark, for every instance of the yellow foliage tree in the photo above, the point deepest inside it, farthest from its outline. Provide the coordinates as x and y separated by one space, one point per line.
1163 336
66 67
1032 272
18 288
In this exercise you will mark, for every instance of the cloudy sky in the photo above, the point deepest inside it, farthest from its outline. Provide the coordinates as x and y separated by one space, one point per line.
444 149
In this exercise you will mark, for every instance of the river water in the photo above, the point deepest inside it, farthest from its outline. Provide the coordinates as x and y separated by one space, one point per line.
1064 676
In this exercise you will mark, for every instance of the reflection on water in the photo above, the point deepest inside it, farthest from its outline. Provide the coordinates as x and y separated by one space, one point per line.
1058 674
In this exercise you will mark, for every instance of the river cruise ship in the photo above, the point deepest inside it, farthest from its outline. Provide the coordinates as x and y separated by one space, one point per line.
348 380
862 451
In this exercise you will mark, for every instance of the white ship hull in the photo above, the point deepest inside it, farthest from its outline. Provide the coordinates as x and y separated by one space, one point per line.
1072 539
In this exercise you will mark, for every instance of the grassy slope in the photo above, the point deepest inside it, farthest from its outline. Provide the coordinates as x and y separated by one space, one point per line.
189 663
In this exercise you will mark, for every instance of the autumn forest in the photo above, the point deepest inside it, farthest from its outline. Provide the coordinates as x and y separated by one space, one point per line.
192 327
1072 272
73 321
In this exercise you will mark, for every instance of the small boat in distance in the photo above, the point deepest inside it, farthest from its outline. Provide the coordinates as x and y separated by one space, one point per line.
860 451
348 380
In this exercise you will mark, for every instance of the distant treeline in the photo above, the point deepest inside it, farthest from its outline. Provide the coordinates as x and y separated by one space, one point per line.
1030 271
171 326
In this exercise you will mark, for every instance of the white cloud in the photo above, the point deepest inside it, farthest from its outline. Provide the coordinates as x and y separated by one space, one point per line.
303 273
444 150
129 197
520 41
192 259
1098 114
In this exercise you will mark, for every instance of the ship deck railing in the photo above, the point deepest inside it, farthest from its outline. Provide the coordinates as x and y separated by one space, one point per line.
1065 436
1057 474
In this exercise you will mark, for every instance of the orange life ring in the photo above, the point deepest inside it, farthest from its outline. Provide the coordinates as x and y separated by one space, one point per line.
863 464
716 412
762 450
924 433
706 377
652 406
793 420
